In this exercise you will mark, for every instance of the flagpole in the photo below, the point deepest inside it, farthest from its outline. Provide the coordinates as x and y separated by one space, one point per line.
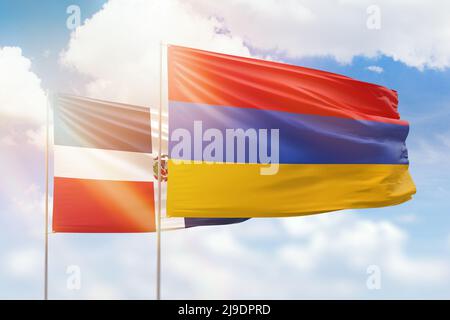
46 198
158 217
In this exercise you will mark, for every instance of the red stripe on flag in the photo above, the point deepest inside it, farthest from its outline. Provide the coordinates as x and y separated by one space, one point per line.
204 77
102 206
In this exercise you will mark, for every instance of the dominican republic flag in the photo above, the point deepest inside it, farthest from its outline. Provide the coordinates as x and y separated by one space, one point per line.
103 169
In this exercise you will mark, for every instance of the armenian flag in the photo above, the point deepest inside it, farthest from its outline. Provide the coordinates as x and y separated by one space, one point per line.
254 138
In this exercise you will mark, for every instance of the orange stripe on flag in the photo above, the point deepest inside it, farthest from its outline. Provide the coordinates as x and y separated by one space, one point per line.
210 78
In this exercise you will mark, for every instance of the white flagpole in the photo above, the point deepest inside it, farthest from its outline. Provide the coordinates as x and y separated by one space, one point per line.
46 198
158 217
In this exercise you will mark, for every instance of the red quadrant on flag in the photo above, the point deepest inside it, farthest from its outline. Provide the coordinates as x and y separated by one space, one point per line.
103 206
203 77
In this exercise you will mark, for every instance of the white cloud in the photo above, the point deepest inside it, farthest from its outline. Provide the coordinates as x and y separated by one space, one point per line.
22 112
47 53
37 136
339 29
31 201
119 47
28 207
22 116
376 69
434 149
323 256
21 95
431 271
22 263
23 102
360 242
8 140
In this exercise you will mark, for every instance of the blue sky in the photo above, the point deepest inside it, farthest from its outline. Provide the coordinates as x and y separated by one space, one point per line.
107 58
